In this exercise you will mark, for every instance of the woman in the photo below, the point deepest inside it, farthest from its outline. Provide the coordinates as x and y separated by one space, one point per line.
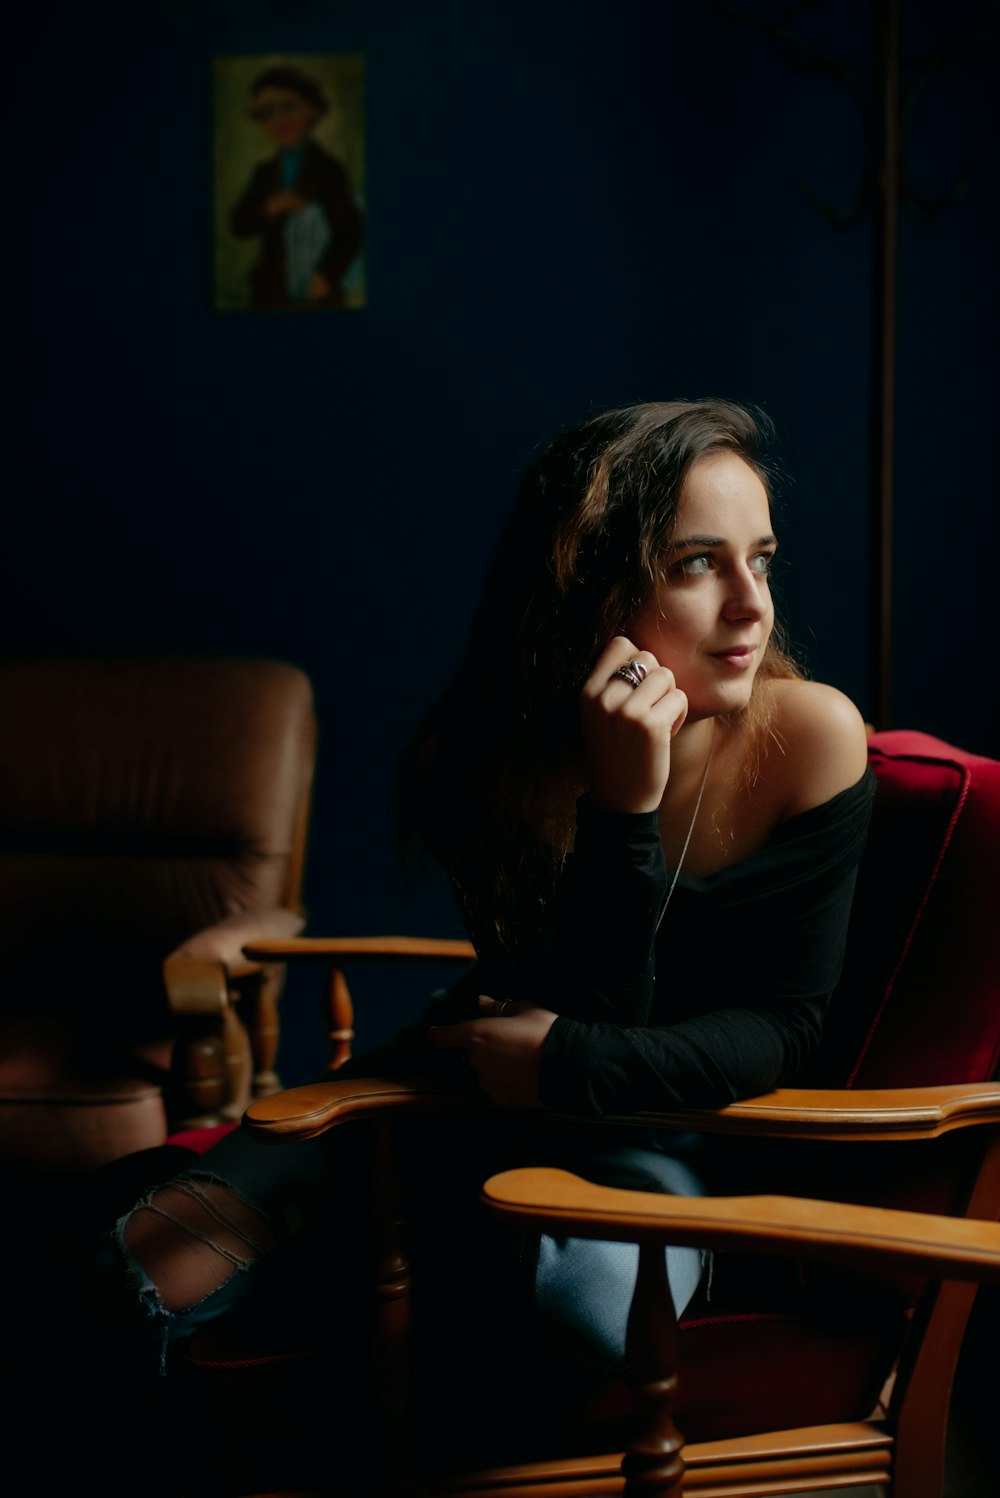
652 824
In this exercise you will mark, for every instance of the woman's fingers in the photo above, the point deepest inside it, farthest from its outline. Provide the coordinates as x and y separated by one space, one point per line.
452 1037
497 1008
624 670
504 1050
630 709
618 655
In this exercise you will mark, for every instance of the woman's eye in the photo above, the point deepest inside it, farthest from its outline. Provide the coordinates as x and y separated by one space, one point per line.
696 566
762 562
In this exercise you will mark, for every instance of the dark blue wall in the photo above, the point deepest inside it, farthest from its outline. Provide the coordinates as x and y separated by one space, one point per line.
570 204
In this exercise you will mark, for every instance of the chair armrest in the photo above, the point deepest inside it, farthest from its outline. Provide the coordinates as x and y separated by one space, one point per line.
333 951
197 973
900 1115
790 1113
889 1113
851 1237
226 1008
410 948
308 1111
226 941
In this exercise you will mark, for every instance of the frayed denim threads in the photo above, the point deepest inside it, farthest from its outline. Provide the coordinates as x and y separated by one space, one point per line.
116 1264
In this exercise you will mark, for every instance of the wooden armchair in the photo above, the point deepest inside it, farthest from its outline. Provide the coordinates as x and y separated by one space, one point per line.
845 1265
153 819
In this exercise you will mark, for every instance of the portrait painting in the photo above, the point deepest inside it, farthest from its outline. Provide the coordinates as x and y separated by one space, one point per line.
289 182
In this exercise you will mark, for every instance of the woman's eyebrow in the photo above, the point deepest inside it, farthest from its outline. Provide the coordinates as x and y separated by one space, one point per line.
685 541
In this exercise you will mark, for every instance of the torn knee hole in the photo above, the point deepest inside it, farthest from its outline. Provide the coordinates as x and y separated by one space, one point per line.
192 1235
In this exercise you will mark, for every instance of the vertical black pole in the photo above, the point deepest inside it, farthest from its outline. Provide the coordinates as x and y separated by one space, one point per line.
884 365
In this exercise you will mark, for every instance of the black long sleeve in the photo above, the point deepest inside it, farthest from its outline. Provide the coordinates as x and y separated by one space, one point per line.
726 1000
595 959
747 961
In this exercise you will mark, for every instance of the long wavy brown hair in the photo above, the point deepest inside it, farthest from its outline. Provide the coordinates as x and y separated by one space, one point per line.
489 782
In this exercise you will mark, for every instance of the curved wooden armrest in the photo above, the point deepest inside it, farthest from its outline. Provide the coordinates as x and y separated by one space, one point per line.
861 1238
902 1114
308 1111
411 948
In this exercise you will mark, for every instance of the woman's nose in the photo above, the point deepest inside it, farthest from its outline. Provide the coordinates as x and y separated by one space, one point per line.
747 597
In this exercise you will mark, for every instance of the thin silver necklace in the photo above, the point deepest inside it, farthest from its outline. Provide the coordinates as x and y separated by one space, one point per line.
694 818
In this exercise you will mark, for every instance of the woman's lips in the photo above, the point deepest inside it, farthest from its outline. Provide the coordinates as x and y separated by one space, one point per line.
739 656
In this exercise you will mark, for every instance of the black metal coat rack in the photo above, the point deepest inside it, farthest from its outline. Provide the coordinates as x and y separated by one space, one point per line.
885 186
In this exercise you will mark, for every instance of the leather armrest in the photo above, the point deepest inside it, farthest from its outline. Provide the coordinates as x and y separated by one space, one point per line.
197 973
228 939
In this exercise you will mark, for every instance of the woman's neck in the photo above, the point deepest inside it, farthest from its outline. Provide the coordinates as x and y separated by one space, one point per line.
686 787
691 747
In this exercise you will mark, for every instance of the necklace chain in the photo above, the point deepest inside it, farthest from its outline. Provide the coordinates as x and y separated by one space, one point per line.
694 818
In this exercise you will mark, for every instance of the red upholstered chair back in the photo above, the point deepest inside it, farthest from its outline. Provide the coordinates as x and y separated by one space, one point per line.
919 1000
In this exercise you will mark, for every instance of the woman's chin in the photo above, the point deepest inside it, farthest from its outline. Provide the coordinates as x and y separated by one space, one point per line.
731 699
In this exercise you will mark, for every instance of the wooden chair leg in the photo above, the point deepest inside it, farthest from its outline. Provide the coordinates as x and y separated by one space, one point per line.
926 1379
392 1329
652 1466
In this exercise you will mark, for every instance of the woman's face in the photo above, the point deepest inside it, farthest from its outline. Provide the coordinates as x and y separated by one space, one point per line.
283 115
711 619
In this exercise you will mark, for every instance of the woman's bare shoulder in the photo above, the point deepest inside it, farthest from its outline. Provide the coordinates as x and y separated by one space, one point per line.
822 740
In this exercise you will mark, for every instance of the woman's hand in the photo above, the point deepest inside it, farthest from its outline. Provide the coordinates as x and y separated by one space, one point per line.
627 730
504 1049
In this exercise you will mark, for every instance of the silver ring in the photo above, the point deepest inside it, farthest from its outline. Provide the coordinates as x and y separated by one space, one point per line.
634 672
502 1006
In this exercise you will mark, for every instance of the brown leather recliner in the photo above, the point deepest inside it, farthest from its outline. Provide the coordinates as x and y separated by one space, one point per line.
153 819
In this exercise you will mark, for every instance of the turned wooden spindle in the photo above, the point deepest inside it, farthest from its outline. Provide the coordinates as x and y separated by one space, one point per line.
339 1020
392 1311
264 1027
652 1466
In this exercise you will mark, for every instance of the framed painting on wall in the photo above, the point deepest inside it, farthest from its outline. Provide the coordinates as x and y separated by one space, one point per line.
289 182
